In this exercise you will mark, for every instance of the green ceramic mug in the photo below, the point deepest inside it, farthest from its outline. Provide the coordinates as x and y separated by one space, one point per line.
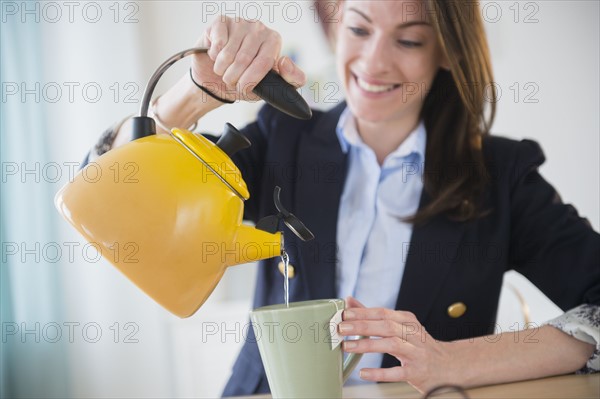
296 348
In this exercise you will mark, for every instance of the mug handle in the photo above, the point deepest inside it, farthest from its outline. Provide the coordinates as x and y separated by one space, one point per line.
351 362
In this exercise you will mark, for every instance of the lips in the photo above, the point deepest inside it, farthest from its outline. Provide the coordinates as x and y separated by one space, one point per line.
375 88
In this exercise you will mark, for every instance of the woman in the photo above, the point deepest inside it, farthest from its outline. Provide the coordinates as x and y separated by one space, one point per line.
407 240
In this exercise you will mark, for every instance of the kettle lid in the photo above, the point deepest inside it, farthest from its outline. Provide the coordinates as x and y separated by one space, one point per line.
214 159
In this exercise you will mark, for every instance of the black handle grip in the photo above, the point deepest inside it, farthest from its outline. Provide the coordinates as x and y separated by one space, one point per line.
283 96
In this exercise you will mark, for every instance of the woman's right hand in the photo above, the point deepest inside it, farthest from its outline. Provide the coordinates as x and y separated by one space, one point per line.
240 54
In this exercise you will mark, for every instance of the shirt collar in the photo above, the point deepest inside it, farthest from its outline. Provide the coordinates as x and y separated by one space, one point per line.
348 136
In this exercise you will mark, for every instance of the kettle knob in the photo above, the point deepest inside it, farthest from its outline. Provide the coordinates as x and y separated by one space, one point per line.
232 140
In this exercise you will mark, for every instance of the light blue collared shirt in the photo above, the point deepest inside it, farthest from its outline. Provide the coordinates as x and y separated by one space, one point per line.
373 240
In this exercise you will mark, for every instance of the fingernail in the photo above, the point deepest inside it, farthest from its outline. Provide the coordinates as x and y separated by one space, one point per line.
286 65
348 314
350 344
364 374
346 327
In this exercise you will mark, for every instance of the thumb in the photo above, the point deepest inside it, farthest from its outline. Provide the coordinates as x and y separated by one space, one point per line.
290 72
352 302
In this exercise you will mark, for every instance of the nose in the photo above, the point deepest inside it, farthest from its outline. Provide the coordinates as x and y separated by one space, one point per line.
378 56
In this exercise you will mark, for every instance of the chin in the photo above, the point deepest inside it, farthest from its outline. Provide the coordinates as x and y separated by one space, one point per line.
371 112
369 116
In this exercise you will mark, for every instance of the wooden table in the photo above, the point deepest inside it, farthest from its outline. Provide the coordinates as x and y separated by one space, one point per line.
561 387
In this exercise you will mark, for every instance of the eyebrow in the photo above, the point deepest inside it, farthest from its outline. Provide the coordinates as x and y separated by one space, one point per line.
402 25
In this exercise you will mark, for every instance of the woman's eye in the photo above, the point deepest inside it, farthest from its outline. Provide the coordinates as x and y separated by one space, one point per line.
409 43
358 31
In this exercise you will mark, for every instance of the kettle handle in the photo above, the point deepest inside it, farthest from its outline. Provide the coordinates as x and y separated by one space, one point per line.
272 88
350 363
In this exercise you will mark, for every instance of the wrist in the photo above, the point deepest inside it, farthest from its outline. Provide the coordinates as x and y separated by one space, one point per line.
460 363
161 126
183 104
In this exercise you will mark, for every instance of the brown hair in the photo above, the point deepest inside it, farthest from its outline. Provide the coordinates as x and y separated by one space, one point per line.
455 111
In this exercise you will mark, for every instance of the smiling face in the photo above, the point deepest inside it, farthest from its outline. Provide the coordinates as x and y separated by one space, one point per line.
387 57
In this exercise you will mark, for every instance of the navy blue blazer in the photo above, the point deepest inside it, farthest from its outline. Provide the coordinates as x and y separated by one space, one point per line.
528 229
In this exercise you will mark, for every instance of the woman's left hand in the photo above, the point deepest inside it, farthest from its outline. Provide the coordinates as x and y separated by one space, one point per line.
426 363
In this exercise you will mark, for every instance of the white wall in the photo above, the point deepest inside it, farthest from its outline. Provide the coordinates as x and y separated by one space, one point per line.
558 58
558 55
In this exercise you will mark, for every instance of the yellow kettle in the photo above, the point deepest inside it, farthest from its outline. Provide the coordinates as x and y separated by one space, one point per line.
167 210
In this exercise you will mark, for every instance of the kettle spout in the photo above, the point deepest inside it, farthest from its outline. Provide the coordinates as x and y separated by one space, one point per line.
253 244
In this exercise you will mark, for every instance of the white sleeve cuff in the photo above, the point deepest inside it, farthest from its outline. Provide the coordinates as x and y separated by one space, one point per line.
583 323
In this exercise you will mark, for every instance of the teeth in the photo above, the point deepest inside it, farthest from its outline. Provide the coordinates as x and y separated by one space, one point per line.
374 88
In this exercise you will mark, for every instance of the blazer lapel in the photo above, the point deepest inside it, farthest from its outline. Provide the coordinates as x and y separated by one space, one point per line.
433 246
318 193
